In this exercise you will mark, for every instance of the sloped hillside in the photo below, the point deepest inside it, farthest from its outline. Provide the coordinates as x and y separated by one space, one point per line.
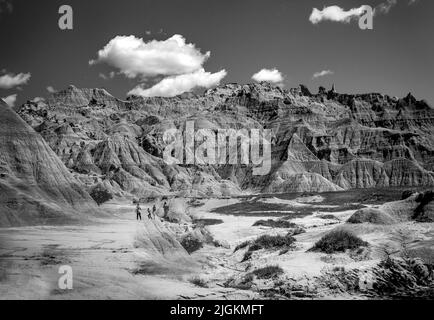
35 186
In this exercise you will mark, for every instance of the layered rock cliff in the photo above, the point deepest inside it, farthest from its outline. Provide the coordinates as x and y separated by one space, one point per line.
320 142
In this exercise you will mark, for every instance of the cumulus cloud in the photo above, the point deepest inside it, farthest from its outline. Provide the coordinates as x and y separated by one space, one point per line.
10 100
174 85
322 73
10 80
111 75
336 14
135 57
269 75
50 89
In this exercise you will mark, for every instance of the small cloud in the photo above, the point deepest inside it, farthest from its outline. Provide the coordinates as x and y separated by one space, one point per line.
9 80
336 14
10 100
111 75
50 89
175 85
269 75
385 7
322 73
38 99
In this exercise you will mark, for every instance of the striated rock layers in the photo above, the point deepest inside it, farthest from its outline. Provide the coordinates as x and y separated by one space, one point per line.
320 142
35 186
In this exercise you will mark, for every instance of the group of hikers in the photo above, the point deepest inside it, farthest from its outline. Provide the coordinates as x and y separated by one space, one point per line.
151 214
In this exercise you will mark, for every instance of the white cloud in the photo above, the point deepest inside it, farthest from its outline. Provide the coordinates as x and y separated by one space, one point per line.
269 75
111 75
385 7
134 57
50 89
10 80
322 73
38 99
10 100
335 13
174 85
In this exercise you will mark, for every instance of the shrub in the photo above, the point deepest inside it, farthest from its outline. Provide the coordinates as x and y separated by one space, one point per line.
100 195
244 283
191 244
272 241
197 281
267 272
242 245
406 194
328 217
247 256
423 199
275 223
338 241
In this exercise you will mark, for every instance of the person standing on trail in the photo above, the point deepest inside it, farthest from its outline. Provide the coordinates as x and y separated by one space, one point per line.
154 209
138 213
149 214
166 208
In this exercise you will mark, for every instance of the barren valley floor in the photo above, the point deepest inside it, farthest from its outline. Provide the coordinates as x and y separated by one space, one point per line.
120 258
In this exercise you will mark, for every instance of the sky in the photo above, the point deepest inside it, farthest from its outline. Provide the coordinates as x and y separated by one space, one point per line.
161 47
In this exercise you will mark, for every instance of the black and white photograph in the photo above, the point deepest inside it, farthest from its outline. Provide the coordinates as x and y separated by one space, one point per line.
194 150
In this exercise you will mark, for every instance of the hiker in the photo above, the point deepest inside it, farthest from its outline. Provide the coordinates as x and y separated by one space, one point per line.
166 208
149 214
154 210
138 213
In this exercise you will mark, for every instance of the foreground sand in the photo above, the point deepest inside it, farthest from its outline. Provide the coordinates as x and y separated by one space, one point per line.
108 263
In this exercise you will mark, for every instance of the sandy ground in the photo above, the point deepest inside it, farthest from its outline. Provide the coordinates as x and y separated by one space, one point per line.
108 263
103 259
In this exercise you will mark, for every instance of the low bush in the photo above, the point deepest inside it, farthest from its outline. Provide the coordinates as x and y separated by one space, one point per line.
338 241
197 281
406 194
100 195
275 223
191 243
272 241
328 217
419 213
284 243
267 272
242 245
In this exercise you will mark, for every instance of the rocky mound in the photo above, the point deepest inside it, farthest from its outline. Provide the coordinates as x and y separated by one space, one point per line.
418 207
35 186
158 241
371 215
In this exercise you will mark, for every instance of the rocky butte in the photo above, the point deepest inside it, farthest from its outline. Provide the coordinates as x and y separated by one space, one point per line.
321 142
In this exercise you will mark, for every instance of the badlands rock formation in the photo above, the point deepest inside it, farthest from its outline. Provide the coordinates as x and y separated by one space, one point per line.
320 142
35 186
